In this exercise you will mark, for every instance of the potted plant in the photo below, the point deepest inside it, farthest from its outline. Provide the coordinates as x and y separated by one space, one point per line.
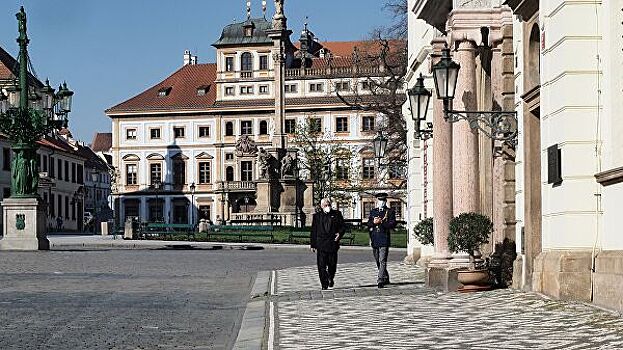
468 232
423 231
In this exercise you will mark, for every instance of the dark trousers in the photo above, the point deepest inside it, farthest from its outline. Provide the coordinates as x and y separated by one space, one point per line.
380 256
327 264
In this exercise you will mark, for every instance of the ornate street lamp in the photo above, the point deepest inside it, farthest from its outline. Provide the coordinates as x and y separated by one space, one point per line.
94 179
380 145
497 125
157 185
26 115
192 203
419 99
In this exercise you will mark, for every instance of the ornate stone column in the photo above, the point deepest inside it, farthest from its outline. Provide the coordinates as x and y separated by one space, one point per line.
465 180
498 178
442 172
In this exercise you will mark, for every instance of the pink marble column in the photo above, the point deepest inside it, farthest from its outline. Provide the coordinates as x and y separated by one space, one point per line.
498 176
442 173
465 178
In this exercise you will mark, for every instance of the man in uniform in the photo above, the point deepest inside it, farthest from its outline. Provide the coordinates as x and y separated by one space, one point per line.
380 223
327 230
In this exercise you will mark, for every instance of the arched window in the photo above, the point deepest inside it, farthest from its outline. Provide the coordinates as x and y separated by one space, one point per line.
229 174
534 58
229 129
246 62
263 127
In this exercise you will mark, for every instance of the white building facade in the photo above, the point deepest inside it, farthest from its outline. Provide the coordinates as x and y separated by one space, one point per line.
205 125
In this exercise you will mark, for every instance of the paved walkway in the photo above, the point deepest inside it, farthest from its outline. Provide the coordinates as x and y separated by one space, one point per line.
406 315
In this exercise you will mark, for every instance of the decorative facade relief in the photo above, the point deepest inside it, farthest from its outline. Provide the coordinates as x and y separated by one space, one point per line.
474 3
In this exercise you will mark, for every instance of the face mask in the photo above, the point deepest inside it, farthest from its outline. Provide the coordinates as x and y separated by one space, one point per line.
326 209
380 204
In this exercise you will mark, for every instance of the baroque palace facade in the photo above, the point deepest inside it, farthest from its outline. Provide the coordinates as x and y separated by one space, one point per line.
207 124
557 194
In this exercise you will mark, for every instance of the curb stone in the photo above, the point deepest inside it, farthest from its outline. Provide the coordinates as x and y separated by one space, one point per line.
253 325
261 285
89 244
251 334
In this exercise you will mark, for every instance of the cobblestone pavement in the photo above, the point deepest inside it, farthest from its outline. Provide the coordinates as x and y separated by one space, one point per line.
406 315
138 299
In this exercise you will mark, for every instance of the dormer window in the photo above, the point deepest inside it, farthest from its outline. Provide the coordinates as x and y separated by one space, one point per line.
248 29
203 90
165 91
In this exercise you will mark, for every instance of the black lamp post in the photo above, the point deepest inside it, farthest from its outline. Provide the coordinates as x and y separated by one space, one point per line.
497 125
419 99
94 179
157 185
192 203
380 145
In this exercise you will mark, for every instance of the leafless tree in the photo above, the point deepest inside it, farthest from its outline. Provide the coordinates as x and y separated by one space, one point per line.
324 161
398 9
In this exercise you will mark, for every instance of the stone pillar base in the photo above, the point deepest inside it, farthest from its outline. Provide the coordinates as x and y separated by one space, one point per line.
442 278
128 230
264 196
608 280
563 274
518 282
24 224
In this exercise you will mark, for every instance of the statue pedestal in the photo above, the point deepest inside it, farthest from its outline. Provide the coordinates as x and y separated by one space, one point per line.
24 224
264 196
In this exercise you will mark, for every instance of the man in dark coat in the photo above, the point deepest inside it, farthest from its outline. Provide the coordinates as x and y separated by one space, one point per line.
380 223
327 230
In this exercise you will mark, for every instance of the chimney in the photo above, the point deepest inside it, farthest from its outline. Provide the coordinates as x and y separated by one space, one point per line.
193 60
187 57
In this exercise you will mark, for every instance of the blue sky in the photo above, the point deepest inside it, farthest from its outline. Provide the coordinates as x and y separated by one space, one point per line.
110 50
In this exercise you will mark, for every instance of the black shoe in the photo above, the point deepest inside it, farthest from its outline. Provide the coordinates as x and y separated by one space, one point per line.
325 287
381 285
331 284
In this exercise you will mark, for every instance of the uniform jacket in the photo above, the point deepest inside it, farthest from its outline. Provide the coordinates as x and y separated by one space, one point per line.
324 228
380 234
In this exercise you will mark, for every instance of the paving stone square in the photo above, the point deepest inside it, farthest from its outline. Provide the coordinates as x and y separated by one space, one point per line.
409 316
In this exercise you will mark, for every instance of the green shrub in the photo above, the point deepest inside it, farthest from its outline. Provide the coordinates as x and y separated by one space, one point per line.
468 232
423 231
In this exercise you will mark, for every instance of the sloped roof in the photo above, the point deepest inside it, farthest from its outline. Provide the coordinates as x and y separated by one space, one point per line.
92 159
183 85
102 142
233 34
9 69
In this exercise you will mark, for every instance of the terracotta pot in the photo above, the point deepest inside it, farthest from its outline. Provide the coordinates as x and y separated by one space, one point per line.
473 277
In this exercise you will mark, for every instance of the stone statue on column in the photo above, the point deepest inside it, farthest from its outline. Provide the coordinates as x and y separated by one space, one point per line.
279 19
287 166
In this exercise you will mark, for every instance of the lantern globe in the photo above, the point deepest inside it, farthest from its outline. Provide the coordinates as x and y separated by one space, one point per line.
445 75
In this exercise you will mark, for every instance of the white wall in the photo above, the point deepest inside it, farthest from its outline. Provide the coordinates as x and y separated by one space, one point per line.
569 111
420 37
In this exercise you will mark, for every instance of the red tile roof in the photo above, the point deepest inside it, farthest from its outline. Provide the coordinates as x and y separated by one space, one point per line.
102 142
9 69
343 48
183 93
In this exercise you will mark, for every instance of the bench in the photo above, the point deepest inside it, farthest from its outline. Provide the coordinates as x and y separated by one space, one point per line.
240 231
349 236
162 229
256 222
